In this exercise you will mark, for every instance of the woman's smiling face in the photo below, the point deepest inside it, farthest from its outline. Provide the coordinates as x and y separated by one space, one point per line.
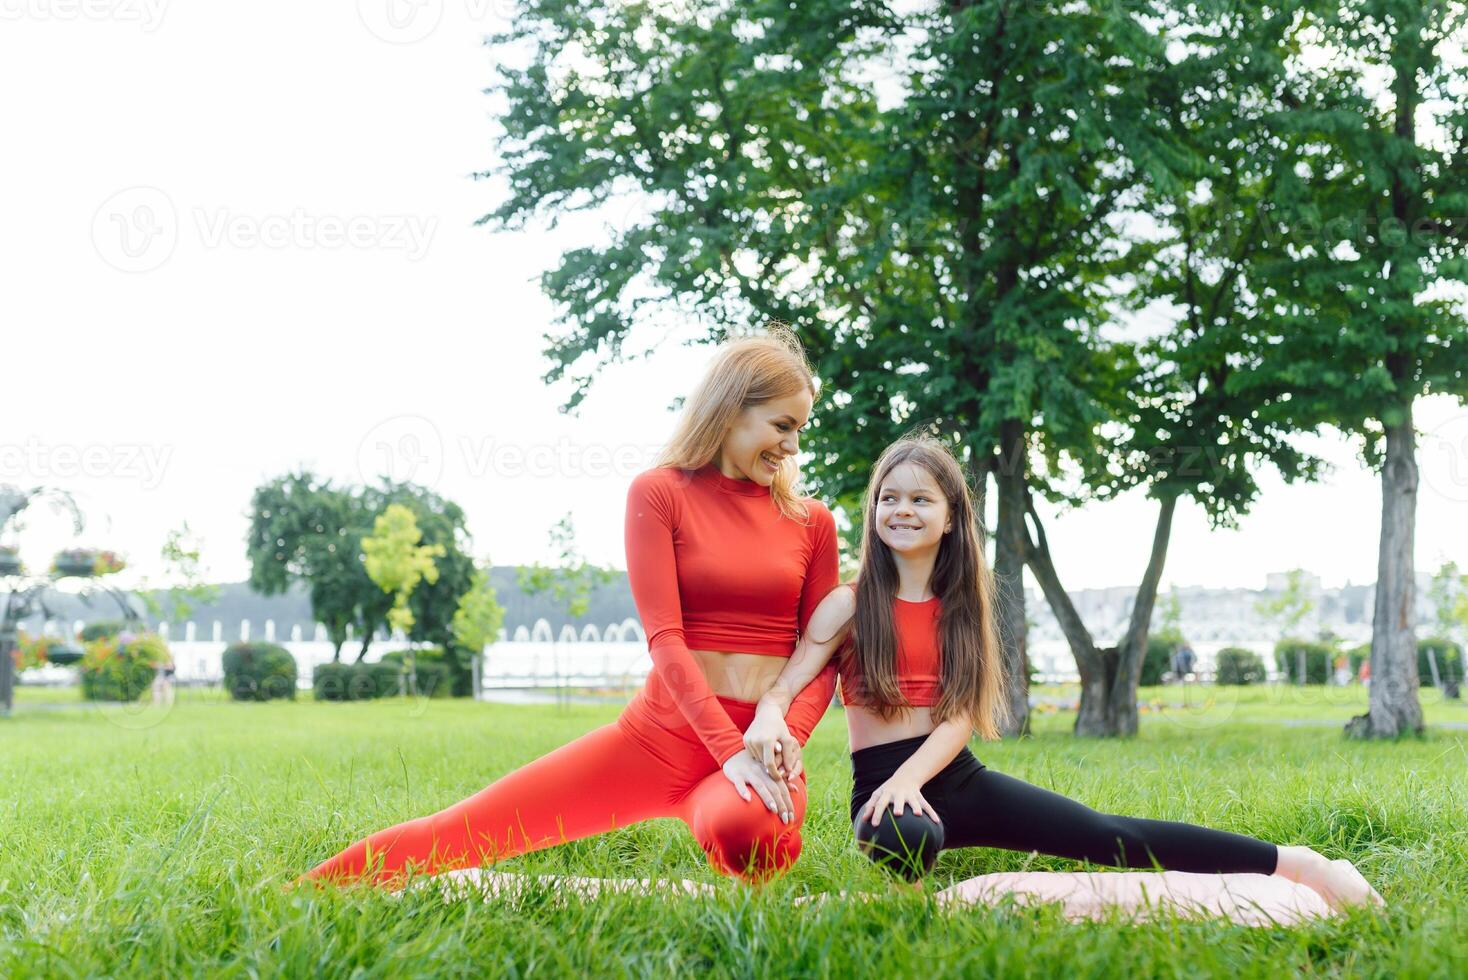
911 514
763 436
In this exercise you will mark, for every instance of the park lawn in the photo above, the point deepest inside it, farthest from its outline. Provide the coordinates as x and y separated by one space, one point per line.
154 841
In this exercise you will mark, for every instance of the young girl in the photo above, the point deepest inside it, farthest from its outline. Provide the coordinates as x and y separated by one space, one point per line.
920 670
726 565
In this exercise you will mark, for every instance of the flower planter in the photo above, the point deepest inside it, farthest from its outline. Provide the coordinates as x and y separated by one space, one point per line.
63 654
86 563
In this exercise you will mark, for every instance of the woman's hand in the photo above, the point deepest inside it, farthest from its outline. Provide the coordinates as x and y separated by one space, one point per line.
769 741
899 793
746 774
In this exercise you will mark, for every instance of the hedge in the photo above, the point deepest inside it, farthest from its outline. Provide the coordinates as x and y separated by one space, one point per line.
259 672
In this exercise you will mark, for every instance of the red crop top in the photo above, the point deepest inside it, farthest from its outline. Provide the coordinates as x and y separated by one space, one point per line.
714 565
919 656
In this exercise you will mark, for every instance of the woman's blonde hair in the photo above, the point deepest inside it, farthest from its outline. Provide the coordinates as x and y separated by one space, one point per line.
746 371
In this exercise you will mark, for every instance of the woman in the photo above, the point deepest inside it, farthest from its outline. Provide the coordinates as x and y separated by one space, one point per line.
726 564
922 670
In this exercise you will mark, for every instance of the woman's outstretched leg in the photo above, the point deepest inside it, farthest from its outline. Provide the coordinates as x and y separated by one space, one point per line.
602 780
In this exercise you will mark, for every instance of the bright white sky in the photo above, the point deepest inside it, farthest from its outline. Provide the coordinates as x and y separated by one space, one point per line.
239 238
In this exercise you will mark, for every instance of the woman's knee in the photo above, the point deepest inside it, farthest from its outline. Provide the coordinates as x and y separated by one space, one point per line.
748 841
907 844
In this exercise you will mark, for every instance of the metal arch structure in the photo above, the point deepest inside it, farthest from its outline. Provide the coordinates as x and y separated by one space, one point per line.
25 599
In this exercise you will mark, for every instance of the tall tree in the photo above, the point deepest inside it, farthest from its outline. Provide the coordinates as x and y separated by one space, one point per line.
925 196
1363 317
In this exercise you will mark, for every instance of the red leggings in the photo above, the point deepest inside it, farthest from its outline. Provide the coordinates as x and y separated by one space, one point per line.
634 769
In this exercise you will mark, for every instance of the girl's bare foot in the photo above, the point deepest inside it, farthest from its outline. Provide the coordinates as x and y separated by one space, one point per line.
1338 881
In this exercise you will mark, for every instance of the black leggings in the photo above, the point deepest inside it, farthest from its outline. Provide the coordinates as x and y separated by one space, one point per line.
983 808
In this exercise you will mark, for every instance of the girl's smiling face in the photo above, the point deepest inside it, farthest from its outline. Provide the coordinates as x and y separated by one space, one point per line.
911 514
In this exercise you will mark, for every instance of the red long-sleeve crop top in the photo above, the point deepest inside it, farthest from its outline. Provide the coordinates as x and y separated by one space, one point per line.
714 565
919 656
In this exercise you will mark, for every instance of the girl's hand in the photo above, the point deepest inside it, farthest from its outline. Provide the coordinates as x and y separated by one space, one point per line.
769 741
745 773
899 794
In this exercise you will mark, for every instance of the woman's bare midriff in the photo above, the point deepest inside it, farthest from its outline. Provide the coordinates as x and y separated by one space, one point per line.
866 728
742 676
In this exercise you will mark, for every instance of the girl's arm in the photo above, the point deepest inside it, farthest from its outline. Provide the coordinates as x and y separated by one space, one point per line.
769 738
904 787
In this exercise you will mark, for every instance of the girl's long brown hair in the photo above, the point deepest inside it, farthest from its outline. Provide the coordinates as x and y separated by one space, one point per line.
973 666
745 372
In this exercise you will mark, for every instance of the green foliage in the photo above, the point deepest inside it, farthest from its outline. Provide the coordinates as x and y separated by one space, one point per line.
1449 661
357 681
439 674
397 562
101 628
572 579
1289 608
1239 666
1319 660
121 666
1158 660
180 555
305 529
259 672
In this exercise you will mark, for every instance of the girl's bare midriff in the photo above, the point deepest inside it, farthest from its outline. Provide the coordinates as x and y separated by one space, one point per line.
742 676
865 728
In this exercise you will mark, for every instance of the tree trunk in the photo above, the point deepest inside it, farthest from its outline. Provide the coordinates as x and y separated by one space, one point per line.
1009 566
1109 675
1393 707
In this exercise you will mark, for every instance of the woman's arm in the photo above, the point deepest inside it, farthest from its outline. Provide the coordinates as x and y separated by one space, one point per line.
904 787
652 572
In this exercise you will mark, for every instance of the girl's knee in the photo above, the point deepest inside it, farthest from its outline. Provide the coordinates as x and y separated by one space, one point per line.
907 844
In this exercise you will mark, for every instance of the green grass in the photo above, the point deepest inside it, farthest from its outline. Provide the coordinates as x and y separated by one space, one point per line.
142 841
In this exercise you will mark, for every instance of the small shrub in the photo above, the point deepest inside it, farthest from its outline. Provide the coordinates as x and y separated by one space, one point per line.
1239 666
259 672
121 667
1319 660
101 628
1158 660
1449 661
356 682
436 677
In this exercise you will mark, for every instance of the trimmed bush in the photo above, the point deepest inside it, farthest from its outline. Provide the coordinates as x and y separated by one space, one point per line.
259 672
357 682
435 676
121 667
1319 660
1158 660
1449 661
1239 666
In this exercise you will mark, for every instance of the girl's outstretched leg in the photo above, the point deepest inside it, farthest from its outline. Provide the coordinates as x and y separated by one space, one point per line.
602 780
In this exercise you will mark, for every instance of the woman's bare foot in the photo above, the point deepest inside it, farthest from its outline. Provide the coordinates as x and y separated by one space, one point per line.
1338 881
